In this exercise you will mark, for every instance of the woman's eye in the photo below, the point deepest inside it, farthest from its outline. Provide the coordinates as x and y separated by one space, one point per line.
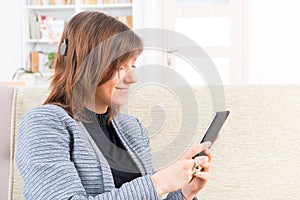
127 67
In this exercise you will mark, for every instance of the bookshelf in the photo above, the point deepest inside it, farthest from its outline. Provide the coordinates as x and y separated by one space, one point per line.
44 20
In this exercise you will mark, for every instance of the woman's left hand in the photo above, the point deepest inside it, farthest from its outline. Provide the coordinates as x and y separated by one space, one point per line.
199 179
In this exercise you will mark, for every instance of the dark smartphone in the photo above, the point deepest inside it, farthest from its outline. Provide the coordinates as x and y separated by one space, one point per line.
213 129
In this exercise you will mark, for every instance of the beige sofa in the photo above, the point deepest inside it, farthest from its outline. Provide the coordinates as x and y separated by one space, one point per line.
6 100
257 154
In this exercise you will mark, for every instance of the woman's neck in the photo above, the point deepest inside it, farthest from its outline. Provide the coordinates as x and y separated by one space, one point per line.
101 109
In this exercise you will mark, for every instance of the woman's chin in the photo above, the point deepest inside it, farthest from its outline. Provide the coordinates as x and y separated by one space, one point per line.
119 101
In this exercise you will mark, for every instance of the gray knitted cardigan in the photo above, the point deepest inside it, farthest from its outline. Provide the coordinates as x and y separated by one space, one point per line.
58 159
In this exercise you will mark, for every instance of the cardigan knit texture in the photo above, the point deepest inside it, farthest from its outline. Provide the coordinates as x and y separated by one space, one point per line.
58 159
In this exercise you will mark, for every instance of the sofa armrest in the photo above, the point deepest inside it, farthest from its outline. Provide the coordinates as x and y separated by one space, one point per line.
6 100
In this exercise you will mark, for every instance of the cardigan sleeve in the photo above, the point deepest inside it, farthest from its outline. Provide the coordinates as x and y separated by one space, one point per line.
43 159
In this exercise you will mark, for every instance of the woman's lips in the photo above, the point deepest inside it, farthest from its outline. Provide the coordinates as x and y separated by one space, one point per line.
122 90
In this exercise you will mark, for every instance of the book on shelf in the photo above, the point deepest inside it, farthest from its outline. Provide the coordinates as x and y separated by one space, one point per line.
45 27
51 2
92 1
34 61
126 20
39 61
116 1
34 27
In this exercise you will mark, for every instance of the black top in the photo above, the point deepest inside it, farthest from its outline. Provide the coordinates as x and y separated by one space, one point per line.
123 168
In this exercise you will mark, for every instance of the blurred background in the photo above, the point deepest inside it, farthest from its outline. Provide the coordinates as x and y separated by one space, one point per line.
250 42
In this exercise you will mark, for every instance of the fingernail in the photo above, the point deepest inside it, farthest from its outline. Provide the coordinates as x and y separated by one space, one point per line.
203 158
207 144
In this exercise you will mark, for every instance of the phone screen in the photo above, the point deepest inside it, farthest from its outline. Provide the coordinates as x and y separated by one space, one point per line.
213 129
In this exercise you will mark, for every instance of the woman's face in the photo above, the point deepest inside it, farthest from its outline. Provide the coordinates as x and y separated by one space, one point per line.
115 90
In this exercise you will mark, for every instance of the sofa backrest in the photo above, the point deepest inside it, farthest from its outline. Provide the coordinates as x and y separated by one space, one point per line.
257 153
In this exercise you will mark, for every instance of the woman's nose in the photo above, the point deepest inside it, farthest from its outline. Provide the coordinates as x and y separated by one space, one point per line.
130 77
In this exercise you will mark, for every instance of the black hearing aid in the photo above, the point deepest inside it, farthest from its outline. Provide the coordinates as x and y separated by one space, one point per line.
64 47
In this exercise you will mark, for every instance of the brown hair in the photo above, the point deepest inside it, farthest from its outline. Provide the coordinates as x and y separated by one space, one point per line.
97 45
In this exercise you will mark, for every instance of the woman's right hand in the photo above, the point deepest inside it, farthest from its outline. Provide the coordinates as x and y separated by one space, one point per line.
178 173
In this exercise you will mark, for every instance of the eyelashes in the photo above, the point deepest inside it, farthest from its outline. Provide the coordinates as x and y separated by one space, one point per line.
123 68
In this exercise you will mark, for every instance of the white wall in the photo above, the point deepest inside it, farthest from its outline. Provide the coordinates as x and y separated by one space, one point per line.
274 41
274 38
10 38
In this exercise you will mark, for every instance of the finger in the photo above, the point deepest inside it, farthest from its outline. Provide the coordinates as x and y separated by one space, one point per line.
201 159
207 151
209 157
203 175
202 168
189 154
197 168
205 167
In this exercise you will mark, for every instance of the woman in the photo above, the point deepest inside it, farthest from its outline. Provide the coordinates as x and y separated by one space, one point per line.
77 145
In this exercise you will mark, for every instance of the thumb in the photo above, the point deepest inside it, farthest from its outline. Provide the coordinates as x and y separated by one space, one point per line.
190 153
